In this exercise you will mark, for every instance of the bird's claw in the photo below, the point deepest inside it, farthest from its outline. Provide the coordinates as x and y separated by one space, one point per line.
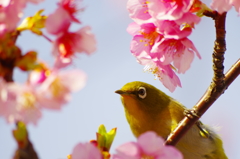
190 113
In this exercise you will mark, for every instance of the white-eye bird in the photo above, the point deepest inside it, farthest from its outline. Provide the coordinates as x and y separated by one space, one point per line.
149 109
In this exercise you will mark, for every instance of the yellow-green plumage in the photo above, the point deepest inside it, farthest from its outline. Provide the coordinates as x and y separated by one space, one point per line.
156 111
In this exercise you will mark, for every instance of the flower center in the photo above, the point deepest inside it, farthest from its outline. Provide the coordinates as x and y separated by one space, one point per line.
27 100
57 88
153 69
150 37
144 156
145 5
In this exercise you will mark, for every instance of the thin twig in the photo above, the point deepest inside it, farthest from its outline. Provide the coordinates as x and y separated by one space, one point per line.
47 38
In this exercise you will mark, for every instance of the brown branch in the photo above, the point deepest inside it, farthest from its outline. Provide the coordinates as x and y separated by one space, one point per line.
25 148
203 104
219 84
9 53
27 152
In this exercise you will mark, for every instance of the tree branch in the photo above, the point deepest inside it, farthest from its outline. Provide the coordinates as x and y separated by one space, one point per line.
203 104
219 84
25 148
9 53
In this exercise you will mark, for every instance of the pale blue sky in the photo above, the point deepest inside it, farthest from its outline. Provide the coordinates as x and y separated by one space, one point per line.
108 69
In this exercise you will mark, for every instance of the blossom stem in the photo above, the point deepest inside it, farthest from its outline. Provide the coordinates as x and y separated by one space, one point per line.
15 35
217 87
25 148
47 38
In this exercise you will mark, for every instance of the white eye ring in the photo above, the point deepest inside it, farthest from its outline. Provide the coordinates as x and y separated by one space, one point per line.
142 93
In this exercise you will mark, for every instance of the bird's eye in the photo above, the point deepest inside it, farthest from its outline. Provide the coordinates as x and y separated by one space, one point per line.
142 93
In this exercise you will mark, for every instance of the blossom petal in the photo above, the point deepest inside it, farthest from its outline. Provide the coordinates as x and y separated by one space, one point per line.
86 151
87 43
221 5
58 22
128 151
150 143
138 11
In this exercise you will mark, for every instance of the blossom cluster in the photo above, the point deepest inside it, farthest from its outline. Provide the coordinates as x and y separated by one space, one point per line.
160 36
47 87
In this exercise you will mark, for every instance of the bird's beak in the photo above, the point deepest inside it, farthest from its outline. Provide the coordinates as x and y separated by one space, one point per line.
121 92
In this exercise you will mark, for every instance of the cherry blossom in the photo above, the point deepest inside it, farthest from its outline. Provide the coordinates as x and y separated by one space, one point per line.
59 21
162 72
66 45
236 4
55 91
168 9
138 11
221 5
180 52
20 103
148 145
11 12
86 151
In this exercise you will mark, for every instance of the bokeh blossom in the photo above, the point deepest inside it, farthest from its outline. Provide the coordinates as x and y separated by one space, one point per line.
67 43
61 19
85 151
56 90
19 103
11 12
148 145
24 102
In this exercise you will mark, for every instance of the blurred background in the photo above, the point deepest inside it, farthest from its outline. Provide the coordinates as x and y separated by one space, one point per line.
109 68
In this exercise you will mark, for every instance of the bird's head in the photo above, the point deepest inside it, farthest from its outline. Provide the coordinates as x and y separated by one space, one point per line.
143 96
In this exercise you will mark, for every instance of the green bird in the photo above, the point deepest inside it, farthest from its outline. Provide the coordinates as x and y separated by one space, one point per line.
149 109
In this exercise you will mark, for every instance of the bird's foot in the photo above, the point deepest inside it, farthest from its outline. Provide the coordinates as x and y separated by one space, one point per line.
190 113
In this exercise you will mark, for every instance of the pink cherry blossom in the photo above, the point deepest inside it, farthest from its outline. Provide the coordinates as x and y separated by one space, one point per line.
71 7
146 36
67 44
56 89
24 102
164 73
138 11
170 29
11 12
59 21
180 52
37 77
148 145
168 9
86 151
20 103
221 5
236 4
35 1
